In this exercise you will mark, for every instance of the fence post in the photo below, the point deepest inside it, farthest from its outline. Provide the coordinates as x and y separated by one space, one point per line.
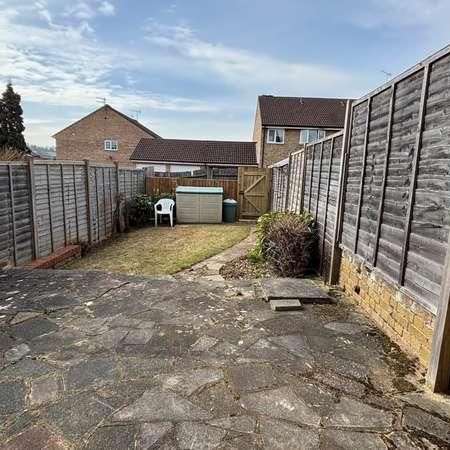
438 374
288 181
327 195
34 225
414 173
13 212
88 200
339 213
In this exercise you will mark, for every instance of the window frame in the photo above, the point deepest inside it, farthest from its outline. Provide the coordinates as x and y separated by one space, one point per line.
268 141
108 145
308 130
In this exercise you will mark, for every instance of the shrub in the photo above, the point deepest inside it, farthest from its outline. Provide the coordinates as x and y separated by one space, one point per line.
140 210
286 240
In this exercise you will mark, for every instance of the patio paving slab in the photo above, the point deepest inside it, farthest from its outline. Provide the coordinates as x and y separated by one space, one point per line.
134 362
302 289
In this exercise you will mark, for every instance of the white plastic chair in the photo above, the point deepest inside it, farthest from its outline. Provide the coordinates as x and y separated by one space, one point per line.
166 207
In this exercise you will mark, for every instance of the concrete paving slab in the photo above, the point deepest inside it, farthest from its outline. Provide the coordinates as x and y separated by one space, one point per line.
151 434
285 305
201 363
159 405
288 288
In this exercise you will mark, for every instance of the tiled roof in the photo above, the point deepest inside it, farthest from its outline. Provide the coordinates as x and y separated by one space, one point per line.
302 111
106 107
195 152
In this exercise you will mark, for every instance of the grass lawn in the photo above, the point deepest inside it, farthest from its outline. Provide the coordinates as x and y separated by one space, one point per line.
161 250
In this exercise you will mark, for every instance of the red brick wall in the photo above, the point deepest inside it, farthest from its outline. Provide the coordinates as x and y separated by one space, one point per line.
85 139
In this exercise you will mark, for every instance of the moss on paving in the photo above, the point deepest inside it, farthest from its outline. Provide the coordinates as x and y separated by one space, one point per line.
161 250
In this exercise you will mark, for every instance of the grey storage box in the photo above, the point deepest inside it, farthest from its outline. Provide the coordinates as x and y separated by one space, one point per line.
199 204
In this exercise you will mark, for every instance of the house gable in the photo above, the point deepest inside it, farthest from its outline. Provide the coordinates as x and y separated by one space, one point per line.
85 138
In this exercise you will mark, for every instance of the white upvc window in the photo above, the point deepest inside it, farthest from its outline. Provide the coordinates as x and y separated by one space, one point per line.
309 135
275 136
112 145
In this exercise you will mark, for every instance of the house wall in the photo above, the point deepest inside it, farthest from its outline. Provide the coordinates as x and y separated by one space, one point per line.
276 152
272 153
172 168
404 320
258 135
85 139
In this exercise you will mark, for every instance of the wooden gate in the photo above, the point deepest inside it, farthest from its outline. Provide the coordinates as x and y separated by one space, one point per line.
253 192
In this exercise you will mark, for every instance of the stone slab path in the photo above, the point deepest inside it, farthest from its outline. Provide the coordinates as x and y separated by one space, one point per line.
209 269
91 360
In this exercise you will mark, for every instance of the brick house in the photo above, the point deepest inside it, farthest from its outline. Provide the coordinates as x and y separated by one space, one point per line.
175 156
103 135
285 124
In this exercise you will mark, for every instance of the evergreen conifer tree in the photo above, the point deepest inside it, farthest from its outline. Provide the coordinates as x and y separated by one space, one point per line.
11 121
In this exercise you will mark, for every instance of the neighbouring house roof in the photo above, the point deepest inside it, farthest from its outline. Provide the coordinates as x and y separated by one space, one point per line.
302 111
106 107
195 152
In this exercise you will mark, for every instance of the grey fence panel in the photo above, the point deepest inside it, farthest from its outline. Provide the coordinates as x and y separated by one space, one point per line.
16 240
22 218
431 209
397 190
6 214
43 210
47 205
295 182
279 186
354 165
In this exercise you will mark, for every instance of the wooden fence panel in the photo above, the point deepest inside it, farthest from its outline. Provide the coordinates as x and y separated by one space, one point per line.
22 218
373 174
393 220
395 191
331 197
279 186
168 185
48 204
6 222
354 165
307 179
431 210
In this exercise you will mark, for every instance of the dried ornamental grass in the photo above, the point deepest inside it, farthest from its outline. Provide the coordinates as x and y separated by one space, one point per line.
290 242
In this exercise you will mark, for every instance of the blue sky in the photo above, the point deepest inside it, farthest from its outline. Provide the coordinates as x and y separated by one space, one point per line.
194 68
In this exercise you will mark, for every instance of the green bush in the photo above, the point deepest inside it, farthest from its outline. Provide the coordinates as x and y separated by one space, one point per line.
140 210
286 240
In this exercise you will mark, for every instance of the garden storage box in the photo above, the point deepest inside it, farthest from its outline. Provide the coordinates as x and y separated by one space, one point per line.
199 204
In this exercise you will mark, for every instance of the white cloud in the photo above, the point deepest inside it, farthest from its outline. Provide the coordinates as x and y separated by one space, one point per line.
171 9
107 9
241 68
401 13
80 10
65 65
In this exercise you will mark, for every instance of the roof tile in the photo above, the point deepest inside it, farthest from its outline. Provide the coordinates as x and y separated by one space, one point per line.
302 111
195 152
